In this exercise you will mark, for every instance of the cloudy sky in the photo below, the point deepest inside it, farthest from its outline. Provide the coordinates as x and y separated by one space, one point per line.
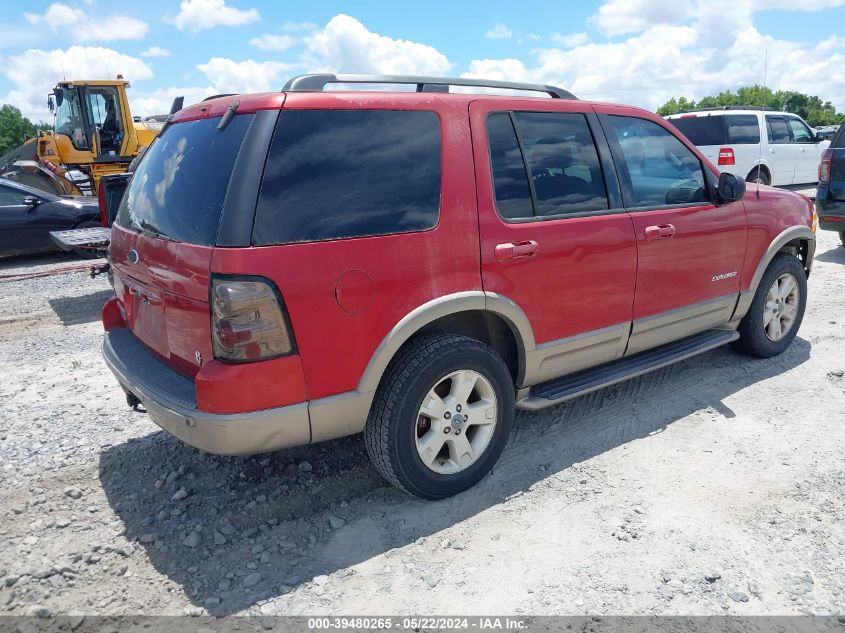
634 51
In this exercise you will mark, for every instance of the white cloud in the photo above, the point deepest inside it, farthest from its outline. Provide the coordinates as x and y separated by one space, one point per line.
499 32
227 75
155 51
715 47
76 24
196 15
616 17
570 41
159 101
34 72
273 42
346 45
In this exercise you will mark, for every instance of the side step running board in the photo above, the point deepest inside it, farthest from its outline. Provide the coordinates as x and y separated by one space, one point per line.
566 388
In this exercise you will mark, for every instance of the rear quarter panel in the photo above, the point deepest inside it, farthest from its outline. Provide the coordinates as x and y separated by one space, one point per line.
406 270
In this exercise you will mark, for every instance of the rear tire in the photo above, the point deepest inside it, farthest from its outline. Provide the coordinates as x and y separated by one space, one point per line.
759 175
776 311
441 416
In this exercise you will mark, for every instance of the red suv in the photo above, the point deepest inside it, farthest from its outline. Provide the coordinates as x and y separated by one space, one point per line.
299 266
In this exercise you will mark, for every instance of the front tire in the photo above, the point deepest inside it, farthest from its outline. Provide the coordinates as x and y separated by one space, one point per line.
441 416
776 311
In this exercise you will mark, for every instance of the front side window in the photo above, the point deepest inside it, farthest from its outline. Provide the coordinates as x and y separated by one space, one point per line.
778 130
559 154
69 119
663 171
334 174
800 132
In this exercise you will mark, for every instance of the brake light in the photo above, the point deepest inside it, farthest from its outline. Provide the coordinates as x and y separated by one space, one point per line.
101 202
726 156
249 321
826 165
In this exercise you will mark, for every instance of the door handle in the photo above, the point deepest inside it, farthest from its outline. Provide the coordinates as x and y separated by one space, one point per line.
516 250
658 232
771 150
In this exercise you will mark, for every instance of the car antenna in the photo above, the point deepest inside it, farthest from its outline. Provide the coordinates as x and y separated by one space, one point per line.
765 126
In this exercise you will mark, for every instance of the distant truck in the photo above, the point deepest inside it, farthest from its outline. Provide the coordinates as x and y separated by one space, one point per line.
94 135
732 138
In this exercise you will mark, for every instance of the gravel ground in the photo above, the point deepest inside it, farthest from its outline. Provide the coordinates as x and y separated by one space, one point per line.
713 486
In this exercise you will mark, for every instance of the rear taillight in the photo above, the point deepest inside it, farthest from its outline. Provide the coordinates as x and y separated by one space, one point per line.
826 165
101 202
726 156
249 321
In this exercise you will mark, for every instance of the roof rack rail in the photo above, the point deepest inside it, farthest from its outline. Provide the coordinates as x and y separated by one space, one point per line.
730 107
318 82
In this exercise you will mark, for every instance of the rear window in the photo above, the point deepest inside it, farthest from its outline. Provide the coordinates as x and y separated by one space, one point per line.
179 188
334 174
702 130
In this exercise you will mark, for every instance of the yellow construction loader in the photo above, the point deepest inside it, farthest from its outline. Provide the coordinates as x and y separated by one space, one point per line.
94 135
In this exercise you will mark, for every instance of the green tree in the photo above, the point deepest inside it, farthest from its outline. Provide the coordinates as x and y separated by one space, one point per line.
809 107
15 128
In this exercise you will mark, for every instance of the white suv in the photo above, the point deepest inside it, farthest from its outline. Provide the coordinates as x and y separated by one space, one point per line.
731 139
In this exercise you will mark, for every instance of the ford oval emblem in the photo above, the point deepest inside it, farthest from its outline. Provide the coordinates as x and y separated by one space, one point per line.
133 256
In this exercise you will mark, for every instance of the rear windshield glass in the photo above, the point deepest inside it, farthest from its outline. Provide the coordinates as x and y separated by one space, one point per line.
178 189
334 174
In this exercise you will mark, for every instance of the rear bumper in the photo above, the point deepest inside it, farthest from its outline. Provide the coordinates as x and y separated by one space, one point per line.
170 401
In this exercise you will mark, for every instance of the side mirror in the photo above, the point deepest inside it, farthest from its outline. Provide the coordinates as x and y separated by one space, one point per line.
31 202
729 189
820 136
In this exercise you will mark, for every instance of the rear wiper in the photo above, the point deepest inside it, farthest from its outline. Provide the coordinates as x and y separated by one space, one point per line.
146 229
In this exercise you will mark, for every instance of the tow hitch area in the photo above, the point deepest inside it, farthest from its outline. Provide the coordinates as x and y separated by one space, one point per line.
94 238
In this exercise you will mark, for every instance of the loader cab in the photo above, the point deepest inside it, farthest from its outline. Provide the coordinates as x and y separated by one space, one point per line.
93 116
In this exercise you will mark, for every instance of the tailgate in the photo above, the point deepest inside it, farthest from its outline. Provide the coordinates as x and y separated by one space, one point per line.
163 287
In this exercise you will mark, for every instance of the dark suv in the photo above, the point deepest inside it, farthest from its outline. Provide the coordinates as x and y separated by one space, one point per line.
830 195
298 266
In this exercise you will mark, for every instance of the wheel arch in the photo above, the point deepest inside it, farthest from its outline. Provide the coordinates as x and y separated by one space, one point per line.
799 241
473 313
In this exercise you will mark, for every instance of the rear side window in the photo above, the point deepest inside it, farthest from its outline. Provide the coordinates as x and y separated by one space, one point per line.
702 130
334 174
662 170
560 155
743 129
179 188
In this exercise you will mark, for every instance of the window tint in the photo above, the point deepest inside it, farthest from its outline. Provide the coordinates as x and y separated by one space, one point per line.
179 188
9 196
702 130
662 170
510 180
349 173
778 130
743 129
563 162
800 132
